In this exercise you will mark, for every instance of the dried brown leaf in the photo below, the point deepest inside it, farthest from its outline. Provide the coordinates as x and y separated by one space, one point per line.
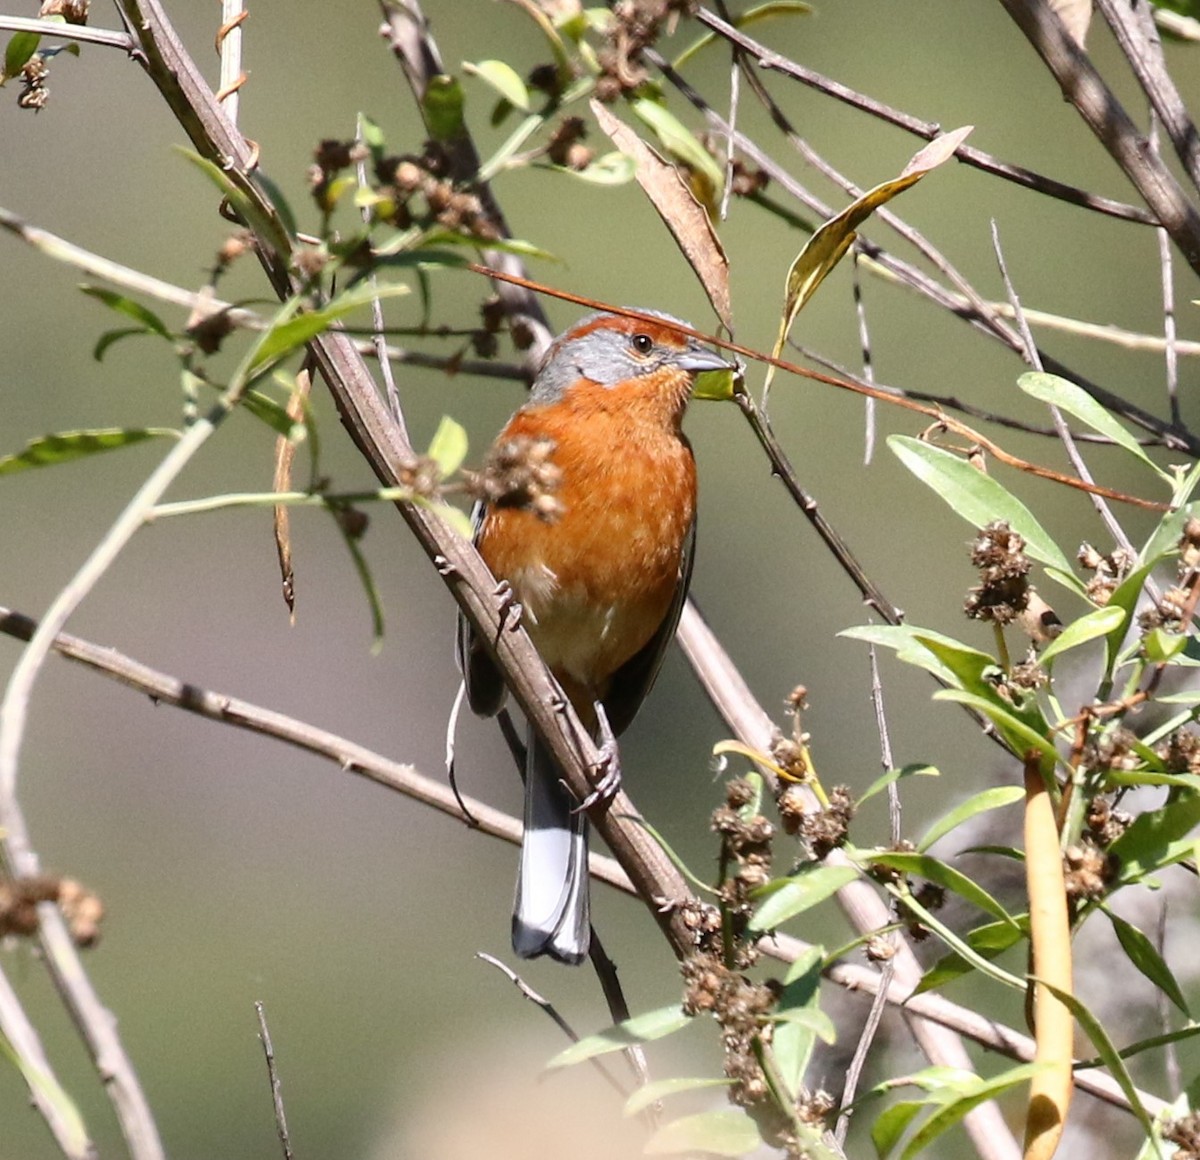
684 216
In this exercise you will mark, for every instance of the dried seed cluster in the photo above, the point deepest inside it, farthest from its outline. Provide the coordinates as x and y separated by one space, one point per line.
999 554
1108 571
520 473
19 899
636 25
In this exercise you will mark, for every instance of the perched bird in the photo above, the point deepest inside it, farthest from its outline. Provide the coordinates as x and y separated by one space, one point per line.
602 585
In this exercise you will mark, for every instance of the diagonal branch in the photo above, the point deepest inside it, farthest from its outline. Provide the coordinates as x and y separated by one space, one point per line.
1097 104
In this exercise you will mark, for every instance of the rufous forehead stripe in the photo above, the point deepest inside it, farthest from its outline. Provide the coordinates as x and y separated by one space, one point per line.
657 330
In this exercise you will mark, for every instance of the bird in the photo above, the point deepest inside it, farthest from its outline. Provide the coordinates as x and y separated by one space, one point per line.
601 587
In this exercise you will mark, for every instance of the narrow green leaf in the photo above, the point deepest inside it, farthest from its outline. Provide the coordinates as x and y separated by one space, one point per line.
970 1097
1106 1049
64 446
131 309
916 769
750 16
652 1093
1069 397
21 46
367 580
455 517
448 447
811 1019
640 1029
988 799
794 1041
1143 954
1015 733
274 415
1156 839
988 941
681 143
788 897
891 1124
978 498
952 940
936 871
294 332
110 338
1100 622
1147 1044
726 1132
615 168
903 639
263 222
503 78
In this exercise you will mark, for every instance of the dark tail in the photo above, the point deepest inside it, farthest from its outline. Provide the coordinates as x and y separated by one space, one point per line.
550 916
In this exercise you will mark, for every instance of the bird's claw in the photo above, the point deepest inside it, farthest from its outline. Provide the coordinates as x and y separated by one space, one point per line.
607 768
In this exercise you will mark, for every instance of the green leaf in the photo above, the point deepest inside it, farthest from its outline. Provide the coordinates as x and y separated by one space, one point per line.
726 1132
640 1029
1143 954
448 447
891 1124
811 1019
503 78
442 106
953 1108
938 872
1105 1048
715 386
917 769
615 168
1100 622
291 334
787 897
128 307
367 580
794 1041
274 415
988 799
455 517
110 338
651 1093
682 144
1161 646
1076 401
266 224
21 46
988 941
1014 732
1156 839
750 16
64 446
906 640
978 498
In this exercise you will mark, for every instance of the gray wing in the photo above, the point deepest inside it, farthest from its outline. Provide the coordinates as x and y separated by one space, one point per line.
634 679
485 686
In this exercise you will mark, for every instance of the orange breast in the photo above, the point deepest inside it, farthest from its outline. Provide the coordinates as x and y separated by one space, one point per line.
597 583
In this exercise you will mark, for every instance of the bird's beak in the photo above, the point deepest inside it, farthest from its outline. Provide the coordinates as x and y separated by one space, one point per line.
698 359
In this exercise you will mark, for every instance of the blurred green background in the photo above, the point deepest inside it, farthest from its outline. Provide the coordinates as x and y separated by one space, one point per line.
235 869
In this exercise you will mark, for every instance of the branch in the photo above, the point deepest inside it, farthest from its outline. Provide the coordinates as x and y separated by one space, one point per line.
927 130
1097 104
745 717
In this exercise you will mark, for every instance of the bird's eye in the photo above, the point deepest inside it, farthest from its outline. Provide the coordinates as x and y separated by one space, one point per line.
643 343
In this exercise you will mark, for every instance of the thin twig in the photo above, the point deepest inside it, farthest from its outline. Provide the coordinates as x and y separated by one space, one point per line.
1060 424
927 130
737 704
45 1092
1133 26
552 1012
875 1015
922 283
1097 104
281 1127
77 32
229 45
